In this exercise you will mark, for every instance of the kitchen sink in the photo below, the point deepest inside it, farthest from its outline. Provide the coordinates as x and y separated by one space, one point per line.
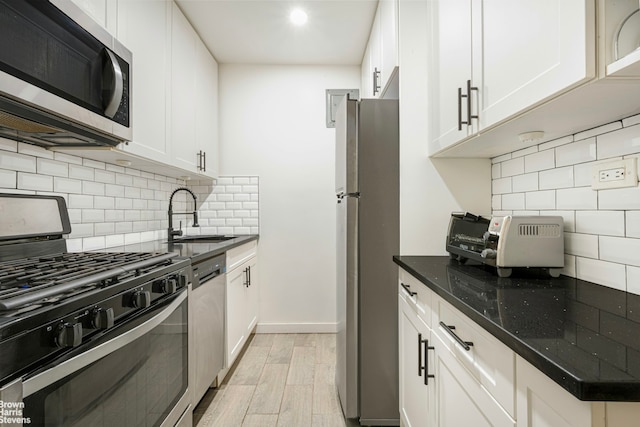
202 239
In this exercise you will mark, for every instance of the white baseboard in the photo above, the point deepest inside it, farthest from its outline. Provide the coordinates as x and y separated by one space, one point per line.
297 328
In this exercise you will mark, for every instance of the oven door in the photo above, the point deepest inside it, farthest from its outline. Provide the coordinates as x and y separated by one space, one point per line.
137 374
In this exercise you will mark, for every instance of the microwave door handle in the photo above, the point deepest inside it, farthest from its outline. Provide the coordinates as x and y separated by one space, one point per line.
118 90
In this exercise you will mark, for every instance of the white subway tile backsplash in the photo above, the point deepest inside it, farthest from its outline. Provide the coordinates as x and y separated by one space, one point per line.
540 200
8 179
632 224
17 162
241 180
8 145
224 180
132 193
513 201
100 202
124 227
135 172
114 240
140 182
501 158
496 171
601 272
633 280
501 186
582 175
556 178
526 182
513 167
242 197
621 250
577 198
114 215
80 201
610 127
555 143
114 190
93 188
620 143
568 219
619 198
630 121
578 152
81 172
539 161
34 150
524 152
66 158
584 245
610 223
224 197
81 230
52 167
94 164
127 180
104 176
602 228
92 215
31 181
569 266
104 228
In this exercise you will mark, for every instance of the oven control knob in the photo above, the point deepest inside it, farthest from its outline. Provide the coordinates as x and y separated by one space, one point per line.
68 335
102 318
141 299
169 285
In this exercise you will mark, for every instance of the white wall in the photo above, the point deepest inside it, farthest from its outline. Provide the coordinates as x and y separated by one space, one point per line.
430 189
272 124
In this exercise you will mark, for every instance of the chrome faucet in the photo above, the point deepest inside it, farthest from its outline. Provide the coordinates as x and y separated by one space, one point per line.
171 231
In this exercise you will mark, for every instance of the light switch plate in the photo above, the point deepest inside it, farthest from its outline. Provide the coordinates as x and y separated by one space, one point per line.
614 174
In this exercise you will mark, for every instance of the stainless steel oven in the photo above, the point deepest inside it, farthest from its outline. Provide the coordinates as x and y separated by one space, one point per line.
89 338
135 375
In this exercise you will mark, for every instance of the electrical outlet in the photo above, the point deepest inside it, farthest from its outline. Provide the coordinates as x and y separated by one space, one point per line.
614 174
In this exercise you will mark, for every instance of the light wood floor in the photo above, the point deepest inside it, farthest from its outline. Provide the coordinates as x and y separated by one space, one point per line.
281 380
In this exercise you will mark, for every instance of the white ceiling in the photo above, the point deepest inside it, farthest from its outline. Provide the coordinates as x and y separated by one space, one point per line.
259 31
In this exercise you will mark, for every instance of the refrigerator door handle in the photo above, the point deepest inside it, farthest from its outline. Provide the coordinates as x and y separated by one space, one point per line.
356 194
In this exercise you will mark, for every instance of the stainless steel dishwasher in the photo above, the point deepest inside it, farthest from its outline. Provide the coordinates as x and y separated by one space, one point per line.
208 295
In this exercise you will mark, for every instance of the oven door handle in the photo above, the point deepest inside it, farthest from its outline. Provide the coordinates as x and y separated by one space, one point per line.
68 367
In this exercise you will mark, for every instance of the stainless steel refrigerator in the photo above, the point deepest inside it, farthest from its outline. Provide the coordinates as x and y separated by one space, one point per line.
367 189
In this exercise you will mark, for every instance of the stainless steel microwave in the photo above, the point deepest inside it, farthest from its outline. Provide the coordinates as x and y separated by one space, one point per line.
64 80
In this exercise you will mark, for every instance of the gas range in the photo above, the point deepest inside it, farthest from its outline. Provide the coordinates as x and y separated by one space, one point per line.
58 308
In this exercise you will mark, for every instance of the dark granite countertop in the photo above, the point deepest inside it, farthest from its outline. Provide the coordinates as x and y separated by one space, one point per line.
584 336
193 250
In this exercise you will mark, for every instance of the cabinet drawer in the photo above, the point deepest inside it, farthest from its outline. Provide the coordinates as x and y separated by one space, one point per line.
491 362
239 254
417 295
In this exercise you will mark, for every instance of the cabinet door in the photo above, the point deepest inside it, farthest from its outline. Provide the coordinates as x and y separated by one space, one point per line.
543 403
207 109
143 28
251 296
235 313
450 68
366 75
460 399
521 68
183 91
414 393
389 39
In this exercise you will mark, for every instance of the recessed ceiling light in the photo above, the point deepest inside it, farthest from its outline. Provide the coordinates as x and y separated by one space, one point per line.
298 17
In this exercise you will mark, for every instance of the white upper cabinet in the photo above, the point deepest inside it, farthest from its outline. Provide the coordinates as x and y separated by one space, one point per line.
183 91
520 68
486 67
381 54
449 70
142 27
102 11
206 112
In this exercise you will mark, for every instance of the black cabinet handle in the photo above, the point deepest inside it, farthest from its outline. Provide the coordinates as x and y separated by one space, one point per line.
249 274
420 367
469 115
204 161
449 329
424 345
460 96
427 375
246 277
409 291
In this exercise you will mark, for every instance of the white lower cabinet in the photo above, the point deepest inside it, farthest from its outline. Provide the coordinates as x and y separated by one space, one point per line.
415 393
484 385
241 298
